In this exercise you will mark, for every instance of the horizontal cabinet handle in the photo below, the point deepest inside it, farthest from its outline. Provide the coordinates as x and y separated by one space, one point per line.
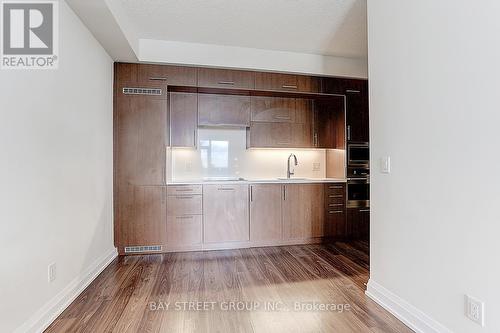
229 83
335 211
157 78
287 86
336 196
335 187
283 117
353 91
336 205
184 190
226 189
184 196
187 217
364 210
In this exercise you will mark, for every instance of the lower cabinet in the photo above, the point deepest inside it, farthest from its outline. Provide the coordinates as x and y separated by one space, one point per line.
265 212
225 213
358 223
303 211
184 219
335 204
142 215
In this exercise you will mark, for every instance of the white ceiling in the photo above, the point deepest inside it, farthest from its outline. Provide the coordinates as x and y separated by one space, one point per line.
324 27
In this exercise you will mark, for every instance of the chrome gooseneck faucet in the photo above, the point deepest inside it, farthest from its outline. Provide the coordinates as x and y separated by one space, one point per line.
290 171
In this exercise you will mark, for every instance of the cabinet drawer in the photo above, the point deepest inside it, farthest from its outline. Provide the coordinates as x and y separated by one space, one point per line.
335 188
335 222
273 109
225 78
183 189
335 198
272 81
168 75
179 205
184 230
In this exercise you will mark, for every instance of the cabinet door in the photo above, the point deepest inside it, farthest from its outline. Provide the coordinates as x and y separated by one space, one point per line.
140 138
273 109
225 78
357 111
265 212
141 215
358 223
329 124
225 213
223 110
168 75
303 211
271 135
183 119
303 133
278 82
184 230
309 84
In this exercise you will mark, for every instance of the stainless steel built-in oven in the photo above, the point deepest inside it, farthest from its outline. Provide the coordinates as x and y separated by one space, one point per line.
358 187
358 154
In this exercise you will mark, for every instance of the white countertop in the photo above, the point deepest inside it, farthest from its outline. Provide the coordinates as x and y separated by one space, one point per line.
297 180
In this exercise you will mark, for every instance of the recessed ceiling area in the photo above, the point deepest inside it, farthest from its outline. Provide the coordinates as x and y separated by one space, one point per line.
324 27
317 37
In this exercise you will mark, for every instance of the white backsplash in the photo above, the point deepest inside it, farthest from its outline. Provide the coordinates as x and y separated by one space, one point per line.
223 153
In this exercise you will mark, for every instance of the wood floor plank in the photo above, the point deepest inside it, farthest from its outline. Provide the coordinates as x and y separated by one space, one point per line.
272 289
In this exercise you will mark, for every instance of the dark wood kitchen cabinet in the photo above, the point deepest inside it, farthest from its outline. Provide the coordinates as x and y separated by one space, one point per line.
141 216
335 210
303 211
273 109
276 82
223 110
226 78
140 137
357 122
146 74
358 223
265 212
183 119
329 124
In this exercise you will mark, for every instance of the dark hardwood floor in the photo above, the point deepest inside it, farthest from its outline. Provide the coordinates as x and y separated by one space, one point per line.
276 289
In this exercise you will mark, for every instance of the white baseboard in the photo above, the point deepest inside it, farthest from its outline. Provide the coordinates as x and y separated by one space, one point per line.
404 311
53 308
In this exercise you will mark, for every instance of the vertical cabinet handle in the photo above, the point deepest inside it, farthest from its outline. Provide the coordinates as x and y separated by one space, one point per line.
284 192
348 132
251 193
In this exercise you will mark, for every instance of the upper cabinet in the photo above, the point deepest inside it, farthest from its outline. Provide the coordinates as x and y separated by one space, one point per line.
140 138
170 75
156 74
356 92
278 82
226 78
309 84
183 119
281 123
273 109
329 123
223 110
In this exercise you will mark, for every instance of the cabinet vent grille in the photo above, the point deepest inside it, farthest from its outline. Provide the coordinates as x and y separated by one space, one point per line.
142 91
138 249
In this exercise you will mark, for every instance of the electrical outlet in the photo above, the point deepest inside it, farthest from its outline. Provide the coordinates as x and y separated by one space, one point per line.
474 310
52 272
316 166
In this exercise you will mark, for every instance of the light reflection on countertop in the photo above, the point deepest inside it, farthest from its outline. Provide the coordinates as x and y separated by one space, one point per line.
244 181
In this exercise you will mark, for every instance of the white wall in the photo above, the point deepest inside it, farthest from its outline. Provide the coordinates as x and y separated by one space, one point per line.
434 69
56 175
